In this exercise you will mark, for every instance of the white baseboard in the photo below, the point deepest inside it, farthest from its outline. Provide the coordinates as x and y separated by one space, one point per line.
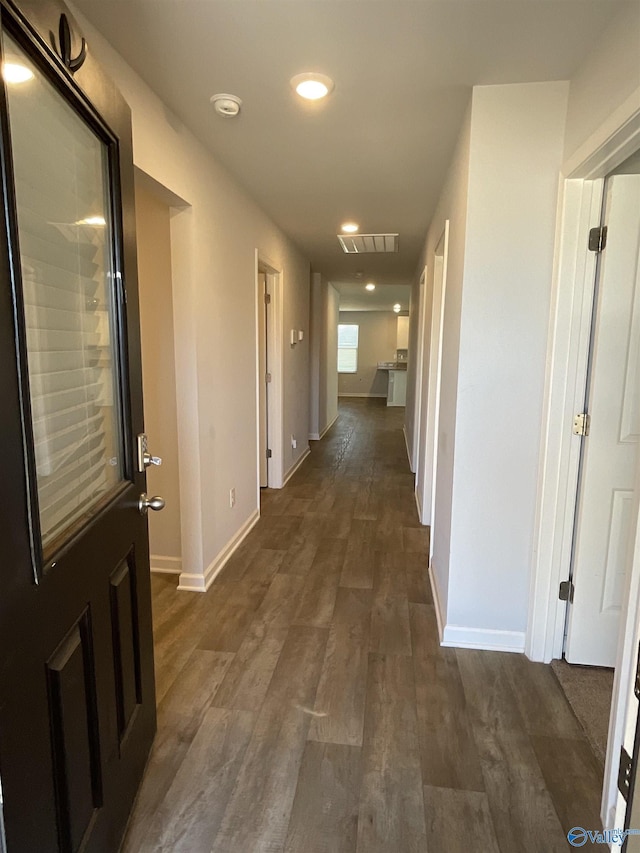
406 444
201 583
165 565
419 505
357 394
458 637
437 601
295 466
317 436
483 638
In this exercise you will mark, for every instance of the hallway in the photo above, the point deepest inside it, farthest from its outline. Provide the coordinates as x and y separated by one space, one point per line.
305 706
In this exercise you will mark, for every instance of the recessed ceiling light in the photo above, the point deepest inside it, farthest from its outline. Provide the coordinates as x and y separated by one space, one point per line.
226 105
312 86
397 308
349 227
370 286
13 72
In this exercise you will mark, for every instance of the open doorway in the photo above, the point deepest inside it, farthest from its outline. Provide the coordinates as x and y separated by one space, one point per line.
608 427
269 375
588 503
153 226
426 475
373 342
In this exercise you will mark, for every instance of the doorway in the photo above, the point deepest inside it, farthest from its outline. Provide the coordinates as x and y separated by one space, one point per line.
269 336
426 481
420 369
264 378
610 429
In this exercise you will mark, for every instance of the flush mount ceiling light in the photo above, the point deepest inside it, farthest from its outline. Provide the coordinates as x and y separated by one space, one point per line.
397 308
349 228
226 105
370 286
312 86
13 72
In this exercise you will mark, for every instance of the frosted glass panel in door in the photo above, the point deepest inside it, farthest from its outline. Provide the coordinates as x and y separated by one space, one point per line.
65 237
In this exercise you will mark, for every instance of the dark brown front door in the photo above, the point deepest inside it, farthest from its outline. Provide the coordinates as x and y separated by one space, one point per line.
77 706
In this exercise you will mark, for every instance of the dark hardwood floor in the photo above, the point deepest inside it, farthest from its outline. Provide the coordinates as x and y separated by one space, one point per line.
305 705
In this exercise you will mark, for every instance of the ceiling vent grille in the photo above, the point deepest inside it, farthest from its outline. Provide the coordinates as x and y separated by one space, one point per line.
360 244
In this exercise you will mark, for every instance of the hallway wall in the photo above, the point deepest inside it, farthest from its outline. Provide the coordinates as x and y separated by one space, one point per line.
500 198
214 244
323 372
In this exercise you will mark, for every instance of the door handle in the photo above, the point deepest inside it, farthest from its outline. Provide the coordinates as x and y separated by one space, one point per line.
145 503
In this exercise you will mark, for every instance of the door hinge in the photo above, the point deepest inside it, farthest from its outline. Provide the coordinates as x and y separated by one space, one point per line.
268 454
624 773
267 377
598 239
566 591
636 686
267 299
582 424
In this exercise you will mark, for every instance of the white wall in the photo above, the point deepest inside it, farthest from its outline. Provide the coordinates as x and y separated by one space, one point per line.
517 139
331 354
500 198
412 369
452 205
377 337
606 81
153 226
323 367
213 248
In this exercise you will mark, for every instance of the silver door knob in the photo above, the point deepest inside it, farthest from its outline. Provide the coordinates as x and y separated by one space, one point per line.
146 503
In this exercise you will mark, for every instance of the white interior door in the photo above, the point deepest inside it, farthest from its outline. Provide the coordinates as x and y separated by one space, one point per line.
603 524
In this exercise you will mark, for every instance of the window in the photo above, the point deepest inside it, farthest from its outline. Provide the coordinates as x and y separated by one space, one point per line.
347 348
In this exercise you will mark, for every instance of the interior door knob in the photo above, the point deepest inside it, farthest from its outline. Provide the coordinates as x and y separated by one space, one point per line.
145 503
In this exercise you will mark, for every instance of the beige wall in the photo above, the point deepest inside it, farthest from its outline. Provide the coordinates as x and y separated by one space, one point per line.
323 374
214 241
158 372
378 332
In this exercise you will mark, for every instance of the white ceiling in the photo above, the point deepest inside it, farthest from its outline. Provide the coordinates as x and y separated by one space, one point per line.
377 149
354 297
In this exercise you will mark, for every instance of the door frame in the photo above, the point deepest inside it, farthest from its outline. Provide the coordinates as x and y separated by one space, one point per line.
580 201
419 372
429 457
275 471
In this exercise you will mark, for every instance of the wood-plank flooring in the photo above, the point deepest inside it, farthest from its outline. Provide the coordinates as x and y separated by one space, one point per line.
305 705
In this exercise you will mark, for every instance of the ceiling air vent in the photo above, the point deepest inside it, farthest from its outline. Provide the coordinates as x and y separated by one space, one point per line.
360 244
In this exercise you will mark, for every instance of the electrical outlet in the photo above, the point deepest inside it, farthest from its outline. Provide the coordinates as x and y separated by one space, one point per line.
232 497
294 442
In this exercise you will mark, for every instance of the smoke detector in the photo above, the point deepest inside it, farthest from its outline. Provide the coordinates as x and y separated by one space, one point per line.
226 105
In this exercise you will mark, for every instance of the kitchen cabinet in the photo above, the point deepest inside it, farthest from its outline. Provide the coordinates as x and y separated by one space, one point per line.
397 392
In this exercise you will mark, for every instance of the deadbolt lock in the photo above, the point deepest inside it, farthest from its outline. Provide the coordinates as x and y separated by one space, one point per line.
145 459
